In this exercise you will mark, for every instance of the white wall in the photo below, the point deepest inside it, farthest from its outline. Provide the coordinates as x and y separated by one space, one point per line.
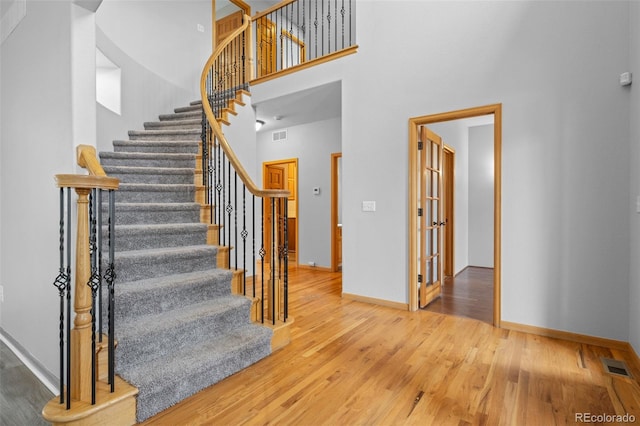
37 143
162 36
560 179
160 54
312 144
481 196
634 293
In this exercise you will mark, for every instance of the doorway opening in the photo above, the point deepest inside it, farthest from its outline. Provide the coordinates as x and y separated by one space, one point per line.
427 236
283 174
336 212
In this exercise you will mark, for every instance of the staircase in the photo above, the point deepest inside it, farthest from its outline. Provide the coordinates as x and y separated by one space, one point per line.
178 327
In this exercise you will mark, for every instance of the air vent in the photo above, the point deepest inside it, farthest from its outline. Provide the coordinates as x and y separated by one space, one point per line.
614 366
279 136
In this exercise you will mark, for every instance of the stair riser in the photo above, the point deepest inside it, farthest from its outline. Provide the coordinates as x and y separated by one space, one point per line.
174 196
178 295
142 267
139 241
153 217
165 136
166 339
157 179
168 147
149 162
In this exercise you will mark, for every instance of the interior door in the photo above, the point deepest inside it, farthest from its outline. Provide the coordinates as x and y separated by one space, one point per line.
275 179
430 217
226 25
266 47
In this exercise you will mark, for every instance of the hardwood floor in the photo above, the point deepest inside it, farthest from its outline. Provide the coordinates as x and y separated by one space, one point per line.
355 363
22 395
469 294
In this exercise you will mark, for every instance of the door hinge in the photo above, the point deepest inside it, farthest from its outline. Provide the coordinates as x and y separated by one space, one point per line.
419 145
419 278
419 211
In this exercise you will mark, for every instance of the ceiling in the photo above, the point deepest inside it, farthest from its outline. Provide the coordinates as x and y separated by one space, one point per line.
315 104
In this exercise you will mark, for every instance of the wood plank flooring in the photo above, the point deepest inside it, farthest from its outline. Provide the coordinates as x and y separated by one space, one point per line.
352 363
22 395
469 294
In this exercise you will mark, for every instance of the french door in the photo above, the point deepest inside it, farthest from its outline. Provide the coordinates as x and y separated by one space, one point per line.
429 216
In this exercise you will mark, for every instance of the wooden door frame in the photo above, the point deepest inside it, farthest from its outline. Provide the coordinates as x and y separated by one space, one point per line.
448 178
334 210
414 124
284 162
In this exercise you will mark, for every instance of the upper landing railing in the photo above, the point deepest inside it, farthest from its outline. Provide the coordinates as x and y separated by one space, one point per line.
296 34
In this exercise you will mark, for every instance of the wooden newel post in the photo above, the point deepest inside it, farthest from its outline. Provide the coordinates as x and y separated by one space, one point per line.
81 333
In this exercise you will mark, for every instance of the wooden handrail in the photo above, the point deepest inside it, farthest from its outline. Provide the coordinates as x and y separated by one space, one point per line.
271 9
88 159
217 130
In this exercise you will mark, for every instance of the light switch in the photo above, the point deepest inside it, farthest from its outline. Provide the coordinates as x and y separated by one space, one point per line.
316 190
368 206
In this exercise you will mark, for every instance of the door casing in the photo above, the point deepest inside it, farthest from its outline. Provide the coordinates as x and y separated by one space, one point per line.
414 124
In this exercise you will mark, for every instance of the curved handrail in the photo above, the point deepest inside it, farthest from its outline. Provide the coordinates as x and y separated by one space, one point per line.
217 130
88 159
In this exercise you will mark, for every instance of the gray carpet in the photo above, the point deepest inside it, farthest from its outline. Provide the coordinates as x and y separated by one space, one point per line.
179 329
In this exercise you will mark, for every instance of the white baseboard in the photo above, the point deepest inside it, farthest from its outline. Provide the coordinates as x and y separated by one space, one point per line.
30 362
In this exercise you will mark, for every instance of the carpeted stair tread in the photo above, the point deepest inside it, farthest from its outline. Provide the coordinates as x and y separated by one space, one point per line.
145 192
147 159
168 147
161 294
158 335
151 175
174 124
189 115
144 236
164 135
190 108
165 382
149 213
139 264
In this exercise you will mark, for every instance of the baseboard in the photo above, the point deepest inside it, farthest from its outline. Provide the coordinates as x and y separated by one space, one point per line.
634 356
39 370
316 268
565 335
375 301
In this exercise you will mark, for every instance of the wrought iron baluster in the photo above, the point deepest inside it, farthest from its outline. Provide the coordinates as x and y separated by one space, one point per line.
262 254
110 276
244 234
274 221
68 299
93 283
62 282
286 259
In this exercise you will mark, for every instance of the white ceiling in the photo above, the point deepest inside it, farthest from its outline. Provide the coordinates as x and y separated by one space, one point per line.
315 104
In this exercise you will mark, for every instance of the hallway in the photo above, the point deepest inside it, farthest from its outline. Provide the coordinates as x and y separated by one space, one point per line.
469 294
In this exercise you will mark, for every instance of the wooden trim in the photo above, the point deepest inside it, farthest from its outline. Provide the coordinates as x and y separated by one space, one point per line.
217 130
449 195
334 209
86 182
568 336
271 9
496 110
634 356
316 268
246 8
308 64
375 301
